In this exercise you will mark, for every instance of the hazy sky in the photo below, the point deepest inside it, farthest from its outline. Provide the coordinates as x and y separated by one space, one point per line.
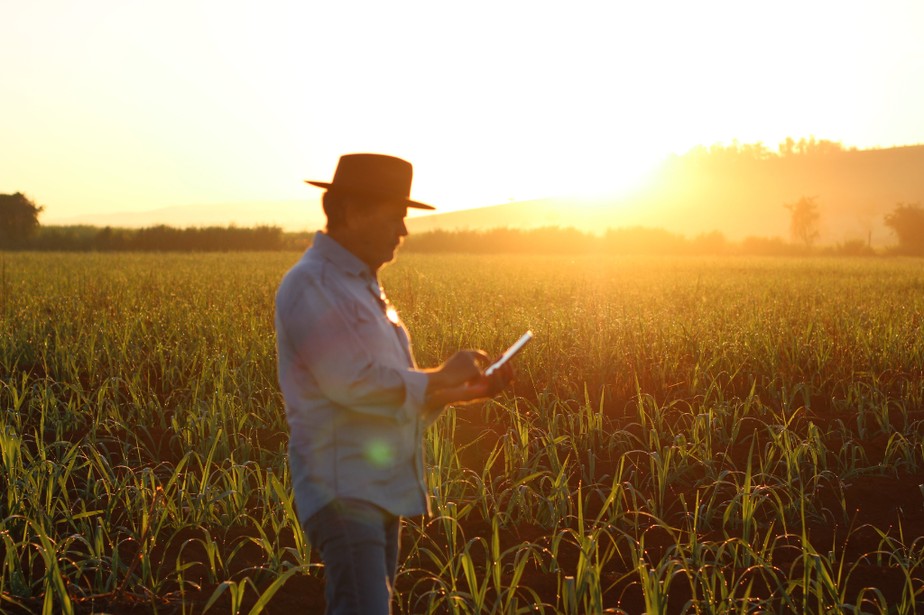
128 105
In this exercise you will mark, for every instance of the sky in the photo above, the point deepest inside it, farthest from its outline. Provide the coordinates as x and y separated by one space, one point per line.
124 105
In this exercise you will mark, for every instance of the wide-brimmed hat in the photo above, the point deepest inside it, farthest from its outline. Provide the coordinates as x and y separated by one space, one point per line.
373 175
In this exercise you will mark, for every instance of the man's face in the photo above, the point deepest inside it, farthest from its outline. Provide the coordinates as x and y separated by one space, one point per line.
376 230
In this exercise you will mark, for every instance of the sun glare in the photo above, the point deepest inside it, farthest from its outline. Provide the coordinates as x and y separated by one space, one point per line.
582 101
505 172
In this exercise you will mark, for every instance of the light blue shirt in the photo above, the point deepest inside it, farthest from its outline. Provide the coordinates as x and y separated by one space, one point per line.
354 396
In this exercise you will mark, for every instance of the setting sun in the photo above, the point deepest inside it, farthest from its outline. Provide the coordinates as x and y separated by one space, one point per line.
123 107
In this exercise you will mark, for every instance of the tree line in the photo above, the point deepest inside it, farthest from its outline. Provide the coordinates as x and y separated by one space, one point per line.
546 240
159 238
790 148
20 230
620 241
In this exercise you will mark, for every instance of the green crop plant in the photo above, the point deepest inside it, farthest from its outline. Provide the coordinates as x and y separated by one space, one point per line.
686 435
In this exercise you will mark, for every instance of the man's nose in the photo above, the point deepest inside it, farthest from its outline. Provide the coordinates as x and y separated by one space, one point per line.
402 229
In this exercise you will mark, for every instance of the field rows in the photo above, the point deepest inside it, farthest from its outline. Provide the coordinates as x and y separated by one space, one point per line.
685 435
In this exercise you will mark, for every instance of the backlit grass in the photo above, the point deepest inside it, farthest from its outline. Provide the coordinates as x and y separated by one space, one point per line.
685 435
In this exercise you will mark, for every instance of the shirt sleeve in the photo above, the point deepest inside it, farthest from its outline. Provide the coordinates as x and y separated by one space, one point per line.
325 342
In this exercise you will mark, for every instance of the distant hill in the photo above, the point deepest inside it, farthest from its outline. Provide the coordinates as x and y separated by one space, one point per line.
588 215
739 191
743 195
583 214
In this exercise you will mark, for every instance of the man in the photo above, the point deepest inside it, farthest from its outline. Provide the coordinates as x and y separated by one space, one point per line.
356 403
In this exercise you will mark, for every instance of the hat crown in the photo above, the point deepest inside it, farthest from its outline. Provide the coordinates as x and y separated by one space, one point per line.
374 174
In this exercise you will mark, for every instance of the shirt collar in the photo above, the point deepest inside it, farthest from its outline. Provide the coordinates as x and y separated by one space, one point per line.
328 248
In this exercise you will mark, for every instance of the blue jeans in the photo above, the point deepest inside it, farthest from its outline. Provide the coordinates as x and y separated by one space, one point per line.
358 543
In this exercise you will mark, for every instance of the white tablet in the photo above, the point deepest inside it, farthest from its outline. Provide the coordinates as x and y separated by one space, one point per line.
509 353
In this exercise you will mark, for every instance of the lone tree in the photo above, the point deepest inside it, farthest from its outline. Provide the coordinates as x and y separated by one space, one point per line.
18 219
803 223
907 222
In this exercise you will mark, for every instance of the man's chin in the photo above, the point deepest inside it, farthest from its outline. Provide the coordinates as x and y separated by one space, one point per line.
390 256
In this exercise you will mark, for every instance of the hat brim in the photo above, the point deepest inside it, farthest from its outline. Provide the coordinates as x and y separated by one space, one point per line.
330 186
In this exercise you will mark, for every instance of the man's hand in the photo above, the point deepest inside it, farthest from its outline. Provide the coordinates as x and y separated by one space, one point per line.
461 379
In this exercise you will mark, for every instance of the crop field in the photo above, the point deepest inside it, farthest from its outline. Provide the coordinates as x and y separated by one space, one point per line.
686 435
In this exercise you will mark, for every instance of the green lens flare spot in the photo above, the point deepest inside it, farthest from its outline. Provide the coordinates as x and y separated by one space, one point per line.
380 453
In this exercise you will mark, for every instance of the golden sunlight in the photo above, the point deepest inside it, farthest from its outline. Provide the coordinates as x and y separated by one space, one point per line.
581 101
